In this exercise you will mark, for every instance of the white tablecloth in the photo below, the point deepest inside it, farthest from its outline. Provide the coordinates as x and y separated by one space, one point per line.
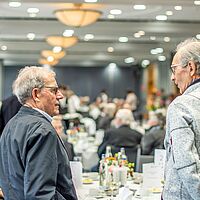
91 192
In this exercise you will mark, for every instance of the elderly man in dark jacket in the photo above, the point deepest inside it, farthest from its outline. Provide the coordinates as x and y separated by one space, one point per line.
122 136
33 161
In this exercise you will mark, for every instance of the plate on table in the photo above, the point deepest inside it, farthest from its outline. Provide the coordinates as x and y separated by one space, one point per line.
155 190
87 181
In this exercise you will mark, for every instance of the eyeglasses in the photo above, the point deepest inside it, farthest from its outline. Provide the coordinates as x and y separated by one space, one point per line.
173 67
53 89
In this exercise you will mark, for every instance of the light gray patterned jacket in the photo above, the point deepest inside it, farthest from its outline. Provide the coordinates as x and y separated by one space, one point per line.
182 143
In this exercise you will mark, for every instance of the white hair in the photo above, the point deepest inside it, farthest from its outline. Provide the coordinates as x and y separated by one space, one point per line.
189 50
28 79
125 115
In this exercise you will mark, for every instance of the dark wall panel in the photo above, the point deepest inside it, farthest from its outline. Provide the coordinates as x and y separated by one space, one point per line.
88 81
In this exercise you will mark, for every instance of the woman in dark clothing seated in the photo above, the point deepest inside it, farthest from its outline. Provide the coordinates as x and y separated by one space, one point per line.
154 136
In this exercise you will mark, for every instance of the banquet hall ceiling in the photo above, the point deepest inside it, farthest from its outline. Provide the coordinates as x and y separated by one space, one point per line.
17 49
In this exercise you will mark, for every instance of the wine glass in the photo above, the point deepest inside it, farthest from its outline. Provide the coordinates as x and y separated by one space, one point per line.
113 185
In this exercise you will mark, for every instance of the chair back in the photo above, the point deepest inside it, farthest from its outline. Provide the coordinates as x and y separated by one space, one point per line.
142 159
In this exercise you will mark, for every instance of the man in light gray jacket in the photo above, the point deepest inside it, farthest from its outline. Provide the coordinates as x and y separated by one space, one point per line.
182 140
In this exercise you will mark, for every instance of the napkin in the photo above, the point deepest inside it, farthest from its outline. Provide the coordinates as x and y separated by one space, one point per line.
125 194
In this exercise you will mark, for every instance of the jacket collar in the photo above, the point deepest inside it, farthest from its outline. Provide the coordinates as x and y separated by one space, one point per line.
31 111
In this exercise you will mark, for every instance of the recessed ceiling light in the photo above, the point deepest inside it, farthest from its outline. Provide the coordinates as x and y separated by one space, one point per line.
123 39
197 3
15 4
90 1
88 37
141 32
161 17
137 35
115 12
112 66
32 14
156 51
57 49
68 33
169 13
198 36
159 50
152 38
178 7
145 63
161 58
167 39
129 60
33 10
4 48
111 16
139 7
31 36
153 51
50 58
110 49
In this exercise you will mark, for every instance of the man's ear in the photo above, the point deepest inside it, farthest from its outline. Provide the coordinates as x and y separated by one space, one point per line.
192 68
35 94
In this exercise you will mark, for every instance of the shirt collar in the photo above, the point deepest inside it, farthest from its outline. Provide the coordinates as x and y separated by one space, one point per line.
195 81
44 113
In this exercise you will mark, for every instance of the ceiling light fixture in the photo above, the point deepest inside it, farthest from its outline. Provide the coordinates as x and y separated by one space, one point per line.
15 4
139 7
68 33
178 7
137 35
152 37
167 39
161 17
88 37
111 16
123 39
4 48
141 33
44 61
57 49
62 41
198 36
31 36
33 10
197 3
129 60
161 58
115 12
169 13
110 49
145 63
56 56
77 16
90 1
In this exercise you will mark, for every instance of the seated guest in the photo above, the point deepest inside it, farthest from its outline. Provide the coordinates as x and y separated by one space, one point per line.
154 136
107 116
121 136
63 102
57 124
73 102
9 108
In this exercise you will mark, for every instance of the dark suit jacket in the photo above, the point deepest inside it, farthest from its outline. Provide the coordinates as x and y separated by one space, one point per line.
34 162
123 136
9 108
153 139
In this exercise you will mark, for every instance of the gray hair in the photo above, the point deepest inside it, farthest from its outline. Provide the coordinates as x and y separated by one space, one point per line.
189 50
125 115
28 79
